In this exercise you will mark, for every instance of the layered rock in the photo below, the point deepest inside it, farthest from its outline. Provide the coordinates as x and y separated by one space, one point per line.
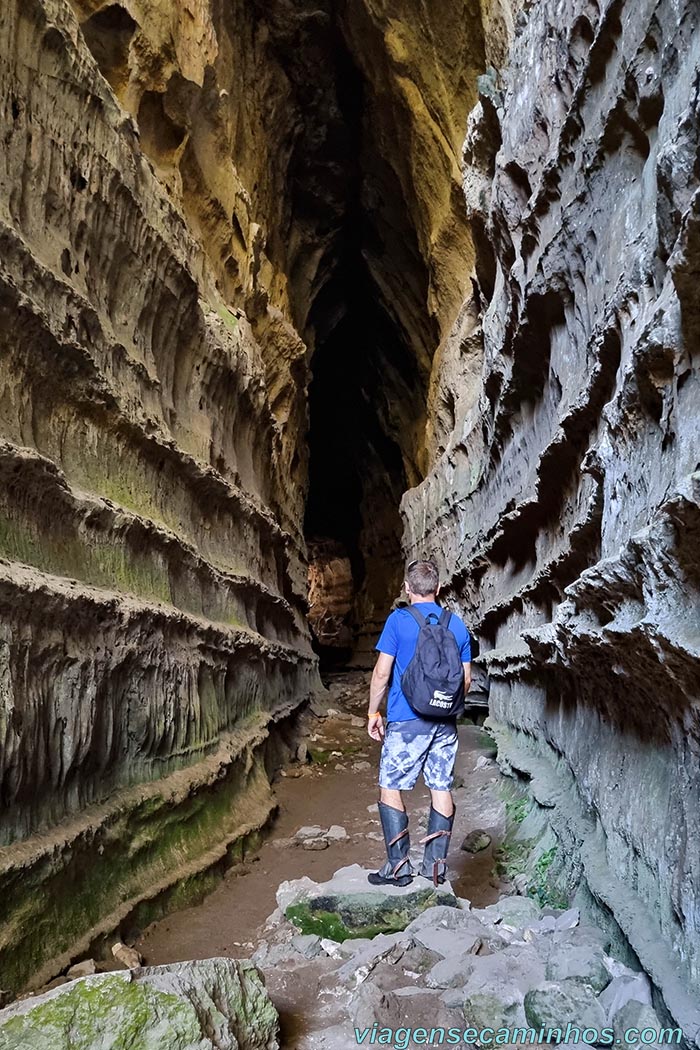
152 582
564 508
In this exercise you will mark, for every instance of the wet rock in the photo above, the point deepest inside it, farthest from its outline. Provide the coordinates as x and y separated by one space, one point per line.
556 1004
476 841
217 1004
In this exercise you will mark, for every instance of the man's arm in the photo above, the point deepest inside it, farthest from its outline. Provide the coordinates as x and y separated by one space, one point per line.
381 676
467 677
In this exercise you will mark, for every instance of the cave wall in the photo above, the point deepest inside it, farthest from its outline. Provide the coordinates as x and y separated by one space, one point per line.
153 638
182 189
564 504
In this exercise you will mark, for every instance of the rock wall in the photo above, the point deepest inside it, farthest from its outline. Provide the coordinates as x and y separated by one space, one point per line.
564 504
153 640
194 198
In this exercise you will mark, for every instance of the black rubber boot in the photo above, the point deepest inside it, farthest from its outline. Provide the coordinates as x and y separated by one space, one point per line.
398 870
436 843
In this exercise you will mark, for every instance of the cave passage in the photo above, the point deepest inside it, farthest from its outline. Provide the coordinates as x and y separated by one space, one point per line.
360 366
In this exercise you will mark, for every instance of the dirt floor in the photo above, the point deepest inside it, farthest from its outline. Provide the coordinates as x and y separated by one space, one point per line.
339 787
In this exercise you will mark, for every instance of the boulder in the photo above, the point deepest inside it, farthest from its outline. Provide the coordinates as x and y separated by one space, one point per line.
555 1004
348 906
307 944
496 988
217 1004
640 1016
585 961
515 912
313 831
128 957
625 988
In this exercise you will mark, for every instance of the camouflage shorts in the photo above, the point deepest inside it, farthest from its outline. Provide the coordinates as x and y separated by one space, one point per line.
415 745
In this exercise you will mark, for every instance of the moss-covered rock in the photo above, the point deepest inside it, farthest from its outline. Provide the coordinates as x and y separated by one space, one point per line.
342 916
188 1006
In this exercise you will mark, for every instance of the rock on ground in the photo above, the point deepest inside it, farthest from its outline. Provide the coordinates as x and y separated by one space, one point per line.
217 1004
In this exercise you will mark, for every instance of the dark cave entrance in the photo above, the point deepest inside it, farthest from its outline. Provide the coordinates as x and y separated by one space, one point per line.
357 439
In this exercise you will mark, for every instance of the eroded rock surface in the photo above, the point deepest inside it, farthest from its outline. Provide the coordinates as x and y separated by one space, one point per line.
217 1004
565 509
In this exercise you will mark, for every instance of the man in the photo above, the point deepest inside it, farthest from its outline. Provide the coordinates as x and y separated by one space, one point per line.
412 744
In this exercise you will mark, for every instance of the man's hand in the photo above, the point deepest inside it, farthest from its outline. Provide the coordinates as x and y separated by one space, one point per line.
375 727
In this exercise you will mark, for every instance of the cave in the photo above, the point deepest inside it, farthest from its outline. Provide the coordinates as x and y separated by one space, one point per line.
293 292
361 363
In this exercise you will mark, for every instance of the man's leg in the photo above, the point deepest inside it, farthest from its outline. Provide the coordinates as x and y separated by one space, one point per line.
442 801
391 797
403 751
438 772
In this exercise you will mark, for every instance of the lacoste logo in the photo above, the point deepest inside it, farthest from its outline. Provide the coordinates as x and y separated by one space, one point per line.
441 699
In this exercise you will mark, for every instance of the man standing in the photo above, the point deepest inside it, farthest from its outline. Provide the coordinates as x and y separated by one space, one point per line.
412 744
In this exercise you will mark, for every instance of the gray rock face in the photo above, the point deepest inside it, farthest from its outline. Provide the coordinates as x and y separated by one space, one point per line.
565 509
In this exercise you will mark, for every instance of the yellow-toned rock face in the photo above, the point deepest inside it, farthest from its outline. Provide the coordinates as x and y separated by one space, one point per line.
198 203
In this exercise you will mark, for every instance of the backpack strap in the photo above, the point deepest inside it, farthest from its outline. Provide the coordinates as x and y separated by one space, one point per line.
417 616
445 618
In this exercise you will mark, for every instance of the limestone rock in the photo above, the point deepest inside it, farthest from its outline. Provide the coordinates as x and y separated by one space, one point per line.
348 906
128 957
564 501
641 1016
218 1004
82 969
569 1001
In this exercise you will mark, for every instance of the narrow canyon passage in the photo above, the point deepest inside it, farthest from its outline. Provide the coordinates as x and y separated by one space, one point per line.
293 292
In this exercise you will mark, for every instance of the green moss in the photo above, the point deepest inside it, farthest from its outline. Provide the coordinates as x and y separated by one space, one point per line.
229 319
110 1012
51 907
543 888
323 923
516 810
348 916
486 742
319 756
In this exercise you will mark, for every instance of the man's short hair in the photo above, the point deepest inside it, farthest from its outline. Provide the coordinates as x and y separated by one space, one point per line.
422 577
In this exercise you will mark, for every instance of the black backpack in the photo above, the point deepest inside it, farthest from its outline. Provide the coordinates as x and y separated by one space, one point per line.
433 682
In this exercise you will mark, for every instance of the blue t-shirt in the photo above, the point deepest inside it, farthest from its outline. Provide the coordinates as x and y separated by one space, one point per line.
398 639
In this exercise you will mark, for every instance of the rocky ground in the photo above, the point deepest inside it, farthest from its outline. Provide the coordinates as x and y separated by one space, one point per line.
338 955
